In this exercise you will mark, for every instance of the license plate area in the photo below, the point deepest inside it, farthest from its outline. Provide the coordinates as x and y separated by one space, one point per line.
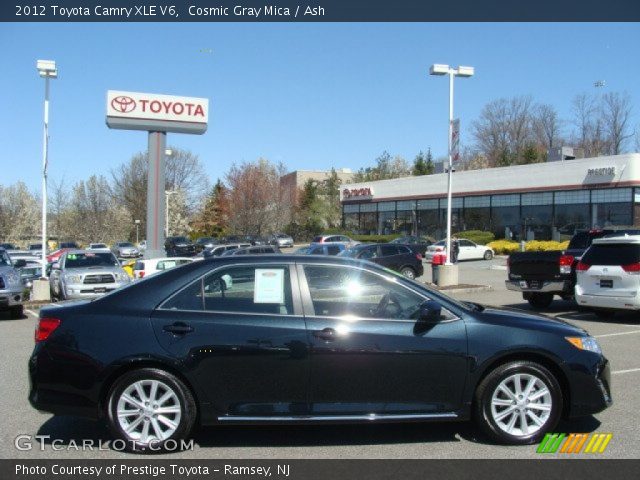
606 283
100 290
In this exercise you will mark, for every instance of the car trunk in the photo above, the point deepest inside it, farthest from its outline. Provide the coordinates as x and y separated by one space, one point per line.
535 265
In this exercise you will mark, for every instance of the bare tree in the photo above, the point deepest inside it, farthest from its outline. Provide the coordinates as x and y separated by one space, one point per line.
19 213
616 113
547 126
256 198
587 117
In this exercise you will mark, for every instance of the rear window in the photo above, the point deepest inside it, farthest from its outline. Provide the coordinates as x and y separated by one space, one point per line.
612 254
581 240
388 250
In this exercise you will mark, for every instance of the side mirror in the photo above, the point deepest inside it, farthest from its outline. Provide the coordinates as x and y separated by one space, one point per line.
20 263
55 266
430 311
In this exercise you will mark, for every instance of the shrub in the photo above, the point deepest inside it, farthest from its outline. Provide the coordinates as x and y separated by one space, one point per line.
375 238
507 247
477 236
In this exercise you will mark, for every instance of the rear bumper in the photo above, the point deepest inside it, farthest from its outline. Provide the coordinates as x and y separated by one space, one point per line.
554 286
614 303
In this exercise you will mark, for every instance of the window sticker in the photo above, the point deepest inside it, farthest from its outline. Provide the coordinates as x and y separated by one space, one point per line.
269 286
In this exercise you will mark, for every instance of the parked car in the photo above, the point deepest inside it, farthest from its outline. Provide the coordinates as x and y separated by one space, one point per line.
255 250
541 275
281 240
101 247
608 275
146 268
218 250
396 257
417 244
70 245
10 285
86 274
10 248
256 340
324 249
142 246
56 254
205 242
468 250
335 239
179 247
35 249
125 250
29 273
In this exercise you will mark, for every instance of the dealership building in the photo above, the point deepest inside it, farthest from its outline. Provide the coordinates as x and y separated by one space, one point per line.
539 201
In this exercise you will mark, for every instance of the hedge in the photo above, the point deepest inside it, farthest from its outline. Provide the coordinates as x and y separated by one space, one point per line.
374 238
506 247
477 236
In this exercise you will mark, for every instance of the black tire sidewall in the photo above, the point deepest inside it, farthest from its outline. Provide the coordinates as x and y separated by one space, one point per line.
187 403
540 300
491 382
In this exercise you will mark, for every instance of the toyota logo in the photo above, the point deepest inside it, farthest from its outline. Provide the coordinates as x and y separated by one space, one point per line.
123 104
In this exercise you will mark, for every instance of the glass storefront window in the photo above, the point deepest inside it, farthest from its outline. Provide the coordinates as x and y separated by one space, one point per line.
351 208
386 206
405 222
351 221
368 223
477 219
386 222
431 204
428 223
503 218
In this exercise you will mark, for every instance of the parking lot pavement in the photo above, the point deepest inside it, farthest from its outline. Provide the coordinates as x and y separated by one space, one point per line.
619 337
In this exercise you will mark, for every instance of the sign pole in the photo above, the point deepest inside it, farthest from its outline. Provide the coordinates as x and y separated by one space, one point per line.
155 195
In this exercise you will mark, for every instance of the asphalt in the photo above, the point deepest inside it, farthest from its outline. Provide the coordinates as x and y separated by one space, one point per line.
618 336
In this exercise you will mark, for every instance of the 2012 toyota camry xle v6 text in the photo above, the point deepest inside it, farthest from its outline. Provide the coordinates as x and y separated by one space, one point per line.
259 339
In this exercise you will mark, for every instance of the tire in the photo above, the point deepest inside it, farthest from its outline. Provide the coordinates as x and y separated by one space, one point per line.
540 300
408 272
602 313
492 404
180 406
488 255
16 312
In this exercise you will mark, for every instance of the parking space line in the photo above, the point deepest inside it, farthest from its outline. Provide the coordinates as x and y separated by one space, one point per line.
616 334
626 371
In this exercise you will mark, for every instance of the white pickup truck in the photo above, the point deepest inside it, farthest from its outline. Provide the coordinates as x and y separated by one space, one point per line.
10 285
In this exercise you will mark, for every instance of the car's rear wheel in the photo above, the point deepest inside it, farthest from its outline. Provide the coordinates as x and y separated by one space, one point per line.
517 403
540 300
408 272
150 409
488 255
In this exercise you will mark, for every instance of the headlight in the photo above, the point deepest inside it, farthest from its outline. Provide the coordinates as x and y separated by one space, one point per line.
13 278
122 277
73 278
585 343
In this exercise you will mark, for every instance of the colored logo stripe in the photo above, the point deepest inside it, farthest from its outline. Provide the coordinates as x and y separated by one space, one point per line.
574 442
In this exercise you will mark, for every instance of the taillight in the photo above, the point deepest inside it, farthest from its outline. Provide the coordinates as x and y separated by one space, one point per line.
45 327
141 274
582 267
419 256
632 268
565 263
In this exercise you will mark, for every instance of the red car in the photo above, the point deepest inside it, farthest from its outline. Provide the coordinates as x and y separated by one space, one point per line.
56 254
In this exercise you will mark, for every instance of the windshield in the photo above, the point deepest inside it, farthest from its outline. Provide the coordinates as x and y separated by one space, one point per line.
5 261
98 245
86 260
126 244
181 239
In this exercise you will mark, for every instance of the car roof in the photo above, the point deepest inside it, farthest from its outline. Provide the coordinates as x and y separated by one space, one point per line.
627 239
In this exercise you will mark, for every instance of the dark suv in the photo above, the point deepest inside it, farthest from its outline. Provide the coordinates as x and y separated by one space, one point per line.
179 247
396 257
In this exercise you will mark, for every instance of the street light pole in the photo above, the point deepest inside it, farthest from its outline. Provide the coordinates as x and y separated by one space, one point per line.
439 69
46 69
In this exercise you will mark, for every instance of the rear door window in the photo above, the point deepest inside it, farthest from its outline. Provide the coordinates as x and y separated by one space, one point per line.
333 249
612 254
388 250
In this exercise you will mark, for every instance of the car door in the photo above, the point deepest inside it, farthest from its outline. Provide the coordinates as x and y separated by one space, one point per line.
240 332
468 250
369 353
370 253
390 257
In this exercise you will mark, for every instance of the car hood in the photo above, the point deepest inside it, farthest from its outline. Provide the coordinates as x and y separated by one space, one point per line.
521 319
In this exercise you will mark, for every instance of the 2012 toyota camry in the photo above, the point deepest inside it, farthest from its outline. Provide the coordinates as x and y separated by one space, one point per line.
278 339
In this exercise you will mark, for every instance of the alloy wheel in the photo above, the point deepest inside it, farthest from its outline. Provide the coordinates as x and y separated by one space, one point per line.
521 404
148 411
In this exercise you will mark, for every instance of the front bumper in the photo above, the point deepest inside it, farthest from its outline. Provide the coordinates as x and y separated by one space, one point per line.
129 254
590 385
10 298
87 291
554 286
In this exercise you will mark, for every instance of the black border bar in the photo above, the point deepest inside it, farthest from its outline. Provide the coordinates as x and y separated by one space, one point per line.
331 11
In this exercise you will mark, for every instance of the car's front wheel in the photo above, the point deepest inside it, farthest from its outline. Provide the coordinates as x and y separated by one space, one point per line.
517 403
17 311
148 408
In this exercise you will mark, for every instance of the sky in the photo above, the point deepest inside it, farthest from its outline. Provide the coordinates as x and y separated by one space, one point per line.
313 96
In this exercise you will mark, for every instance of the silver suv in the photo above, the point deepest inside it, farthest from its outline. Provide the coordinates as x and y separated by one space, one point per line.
10 286
86 274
